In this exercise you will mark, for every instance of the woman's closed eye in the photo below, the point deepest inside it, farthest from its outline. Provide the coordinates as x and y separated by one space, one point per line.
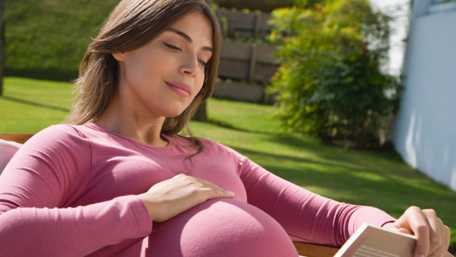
171 46
176 48
203 63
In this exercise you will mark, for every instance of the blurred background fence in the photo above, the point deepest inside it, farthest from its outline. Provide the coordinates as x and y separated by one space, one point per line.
246 67
247 62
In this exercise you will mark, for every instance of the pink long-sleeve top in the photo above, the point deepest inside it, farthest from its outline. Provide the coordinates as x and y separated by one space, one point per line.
72 191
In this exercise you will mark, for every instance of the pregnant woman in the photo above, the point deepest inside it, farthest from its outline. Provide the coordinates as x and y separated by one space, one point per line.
120 180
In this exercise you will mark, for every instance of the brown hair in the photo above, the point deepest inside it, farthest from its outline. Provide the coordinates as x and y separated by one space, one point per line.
131 25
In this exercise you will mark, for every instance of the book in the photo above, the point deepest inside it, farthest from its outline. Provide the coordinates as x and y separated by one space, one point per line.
371 241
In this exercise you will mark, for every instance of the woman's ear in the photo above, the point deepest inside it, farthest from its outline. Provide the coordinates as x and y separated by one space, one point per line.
119 56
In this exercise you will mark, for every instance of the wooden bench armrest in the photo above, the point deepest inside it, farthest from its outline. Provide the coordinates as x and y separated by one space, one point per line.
19 138
315 250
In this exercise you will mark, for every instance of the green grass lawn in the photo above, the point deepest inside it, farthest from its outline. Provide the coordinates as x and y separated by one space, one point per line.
371 178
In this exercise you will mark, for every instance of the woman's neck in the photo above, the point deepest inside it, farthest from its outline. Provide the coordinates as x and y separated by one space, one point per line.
126 119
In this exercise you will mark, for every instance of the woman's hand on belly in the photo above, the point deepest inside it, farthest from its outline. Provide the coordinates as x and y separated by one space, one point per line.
173 196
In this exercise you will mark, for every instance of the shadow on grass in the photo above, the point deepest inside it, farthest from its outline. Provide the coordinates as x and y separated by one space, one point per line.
386 192
316 145
35 104
228 125
282 158
335 157
303 142
58 75
348 176
330 157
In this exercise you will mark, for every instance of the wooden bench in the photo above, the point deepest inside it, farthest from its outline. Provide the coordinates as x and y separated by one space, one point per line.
305 249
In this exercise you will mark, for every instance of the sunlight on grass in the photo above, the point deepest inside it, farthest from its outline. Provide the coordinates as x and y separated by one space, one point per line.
31 105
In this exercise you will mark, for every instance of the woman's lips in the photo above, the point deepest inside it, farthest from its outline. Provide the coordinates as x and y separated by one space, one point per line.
180 89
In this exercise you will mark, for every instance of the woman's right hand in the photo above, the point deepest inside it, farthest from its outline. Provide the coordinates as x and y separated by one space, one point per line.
170 197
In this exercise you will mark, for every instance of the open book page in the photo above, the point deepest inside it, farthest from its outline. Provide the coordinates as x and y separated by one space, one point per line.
371 241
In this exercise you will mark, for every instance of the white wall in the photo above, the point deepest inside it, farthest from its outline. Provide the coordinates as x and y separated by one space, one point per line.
425 132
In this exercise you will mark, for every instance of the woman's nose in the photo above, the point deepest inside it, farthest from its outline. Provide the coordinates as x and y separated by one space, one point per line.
190 66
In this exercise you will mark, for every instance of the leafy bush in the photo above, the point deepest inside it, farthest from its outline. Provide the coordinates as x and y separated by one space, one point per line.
331 83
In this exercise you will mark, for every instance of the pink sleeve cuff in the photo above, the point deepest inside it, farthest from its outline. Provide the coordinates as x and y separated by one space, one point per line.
143 220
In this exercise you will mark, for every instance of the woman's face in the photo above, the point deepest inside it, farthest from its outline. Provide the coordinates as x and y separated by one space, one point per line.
164 76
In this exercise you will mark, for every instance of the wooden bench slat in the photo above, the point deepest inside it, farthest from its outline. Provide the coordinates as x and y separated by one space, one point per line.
19 138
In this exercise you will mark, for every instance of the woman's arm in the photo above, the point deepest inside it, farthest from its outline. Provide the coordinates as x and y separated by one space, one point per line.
313 218
305 215
44 176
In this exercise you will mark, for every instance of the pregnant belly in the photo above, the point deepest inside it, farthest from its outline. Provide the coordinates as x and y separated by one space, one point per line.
221 228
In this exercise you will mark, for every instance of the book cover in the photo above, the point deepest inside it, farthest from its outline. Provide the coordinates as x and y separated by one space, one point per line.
371 241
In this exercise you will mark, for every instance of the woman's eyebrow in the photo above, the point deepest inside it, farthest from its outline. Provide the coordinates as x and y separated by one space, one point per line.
188 38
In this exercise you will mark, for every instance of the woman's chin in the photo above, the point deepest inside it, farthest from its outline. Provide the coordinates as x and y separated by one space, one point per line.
174 110
174 113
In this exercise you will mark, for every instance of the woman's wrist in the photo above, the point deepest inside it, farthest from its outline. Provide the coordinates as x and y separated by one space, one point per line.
147 204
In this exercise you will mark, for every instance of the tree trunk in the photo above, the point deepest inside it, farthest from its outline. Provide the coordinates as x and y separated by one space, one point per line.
201 113
2 42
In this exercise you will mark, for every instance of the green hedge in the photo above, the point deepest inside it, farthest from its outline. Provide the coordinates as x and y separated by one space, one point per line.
47 38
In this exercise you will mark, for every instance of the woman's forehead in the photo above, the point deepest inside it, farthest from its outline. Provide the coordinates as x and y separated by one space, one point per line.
194 27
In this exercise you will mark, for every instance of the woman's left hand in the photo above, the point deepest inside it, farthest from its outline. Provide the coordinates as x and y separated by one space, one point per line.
433 237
